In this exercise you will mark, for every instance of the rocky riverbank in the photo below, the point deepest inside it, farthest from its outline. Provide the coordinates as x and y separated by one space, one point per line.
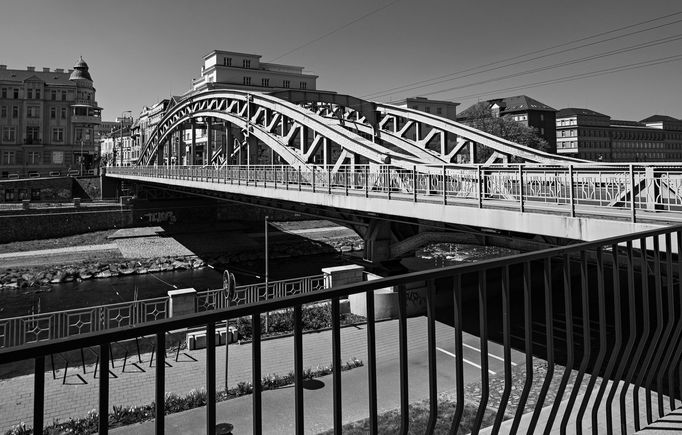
40 278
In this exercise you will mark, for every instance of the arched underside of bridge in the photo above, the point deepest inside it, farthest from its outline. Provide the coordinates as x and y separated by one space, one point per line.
319 129
393 228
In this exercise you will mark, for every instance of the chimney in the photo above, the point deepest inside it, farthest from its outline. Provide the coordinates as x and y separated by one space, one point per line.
46 69
3 67
59 70
30 68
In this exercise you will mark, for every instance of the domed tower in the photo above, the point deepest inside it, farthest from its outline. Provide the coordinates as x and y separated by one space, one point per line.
85 115
81 71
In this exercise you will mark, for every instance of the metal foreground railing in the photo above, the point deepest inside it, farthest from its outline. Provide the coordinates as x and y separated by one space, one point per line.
592 189
606 310
16 331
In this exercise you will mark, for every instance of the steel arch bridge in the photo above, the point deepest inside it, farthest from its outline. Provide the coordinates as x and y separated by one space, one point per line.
311 129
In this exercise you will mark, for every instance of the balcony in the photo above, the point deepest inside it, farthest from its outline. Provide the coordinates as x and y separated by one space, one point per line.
86 119
596 323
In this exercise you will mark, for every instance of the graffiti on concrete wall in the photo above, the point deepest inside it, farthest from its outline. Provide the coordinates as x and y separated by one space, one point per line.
160 217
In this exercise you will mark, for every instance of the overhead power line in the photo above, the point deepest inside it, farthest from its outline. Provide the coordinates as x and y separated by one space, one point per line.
412 85
561 64
338 29
572 77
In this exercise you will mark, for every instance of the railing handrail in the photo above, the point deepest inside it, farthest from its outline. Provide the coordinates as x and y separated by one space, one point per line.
38 349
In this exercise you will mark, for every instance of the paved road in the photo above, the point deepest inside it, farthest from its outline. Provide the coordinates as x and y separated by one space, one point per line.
136 387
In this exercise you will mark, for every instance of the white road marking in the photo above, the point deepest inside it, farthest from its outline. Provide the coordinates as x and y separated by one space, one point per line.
489 354
465 360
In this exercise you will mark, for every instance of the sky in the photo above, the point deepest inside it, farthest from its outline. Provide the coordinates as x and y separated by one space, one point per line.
140 51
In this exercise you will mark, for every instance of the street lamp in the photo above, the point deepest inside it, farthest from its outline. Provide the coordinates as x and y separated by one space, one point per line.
121 132
81 159
267 275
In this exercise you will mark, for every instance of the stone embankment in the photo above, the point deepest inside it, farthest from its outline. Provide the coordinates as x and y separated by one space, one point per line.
42 277
35 277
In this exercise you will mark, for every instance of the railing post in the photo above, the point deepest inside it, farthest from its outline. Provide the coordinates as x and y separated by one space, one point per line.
313 179
479 180
445 189
329 181
286 176
210 379
571 197
39 396
521 187
345 181
160 389
299 178
414 183
366 181
632 194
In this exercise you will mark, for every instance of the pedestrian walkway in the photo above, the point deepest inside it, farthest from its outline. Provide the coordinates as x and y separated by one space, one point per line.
67 250
135 386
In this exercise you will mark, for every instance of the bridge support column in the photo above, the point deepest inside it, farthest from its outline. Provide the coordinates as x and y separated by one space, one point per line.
378 241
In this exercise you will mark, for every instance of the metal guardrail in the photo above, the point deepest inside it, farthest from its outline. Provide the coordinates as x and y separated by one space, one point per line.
17 331
609 309
602 190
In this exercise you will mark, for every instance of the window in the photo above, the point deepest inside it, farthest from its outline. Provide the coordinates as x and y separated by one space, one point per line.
9 194
57 135
58 157
53 113
427 109
3 93
32 135
286 83
246 63
53 95
542 130
78 133
33 157
8 158
247 81
16 93
265 82
9 134
64 96
439 111
63 112
542 117
33 112
15 111
3 112
29 93
302 85
227 61
37 94
35 194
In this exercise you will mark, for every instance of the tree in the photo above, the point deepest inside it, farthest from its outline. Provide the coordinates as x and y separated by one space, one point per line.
480 116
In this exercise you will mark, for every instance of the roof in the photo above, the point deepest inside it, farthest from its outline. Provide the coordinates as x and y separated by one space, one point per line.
519 103
659 118
572 111
51 77
425 100
80 71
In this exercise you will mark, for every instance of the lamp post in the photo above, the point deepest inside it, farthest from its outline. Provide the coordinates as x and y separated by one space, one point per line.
121 133
267 274
81 157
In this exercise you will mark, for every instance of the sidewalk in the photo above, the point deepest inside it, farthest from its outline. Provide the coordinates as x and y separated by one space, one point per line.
136 385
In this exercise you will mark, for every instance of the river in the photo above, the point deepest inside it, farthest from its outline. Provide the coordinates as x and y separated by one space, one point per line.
81 294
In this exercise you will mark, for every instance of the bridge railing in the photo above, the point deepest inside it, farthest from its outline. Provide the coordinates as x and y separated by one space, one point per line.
17 331
603 318
626 190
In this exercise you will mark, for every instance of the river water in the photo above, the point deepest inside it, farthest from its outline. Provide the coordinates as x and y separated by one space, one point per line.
74 294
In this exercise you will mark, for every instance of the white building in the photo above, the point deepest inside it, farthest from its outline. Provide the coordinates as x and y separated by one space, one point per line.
233 70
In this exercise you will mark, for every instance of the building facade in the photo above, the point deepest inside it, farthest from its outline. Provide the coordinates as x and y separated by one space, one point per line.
590 135
233 70
47 121
446 109
525 110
